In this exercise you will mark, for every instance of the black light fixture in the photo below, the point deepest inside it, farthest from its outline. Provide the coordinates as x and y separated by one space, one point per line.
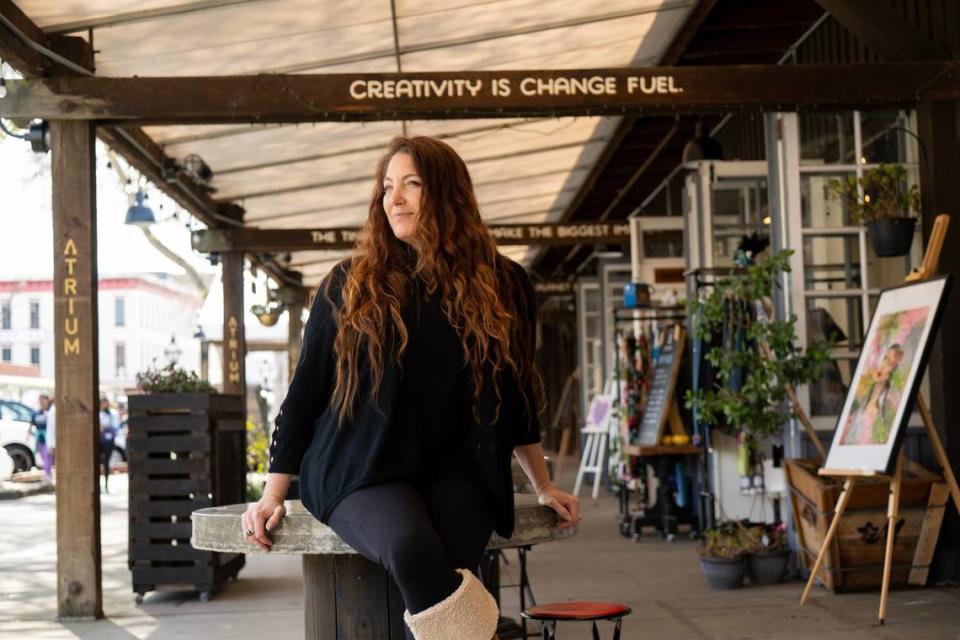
196 167
139 213
172 351
702 146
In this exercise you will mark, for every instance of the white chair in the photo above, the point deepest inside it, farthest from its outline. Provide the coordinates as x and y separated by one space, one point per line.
595 447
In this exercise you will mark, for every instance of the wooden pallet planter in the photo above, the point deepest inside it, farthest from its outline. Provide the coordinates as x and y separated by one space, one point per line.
855 559
186 451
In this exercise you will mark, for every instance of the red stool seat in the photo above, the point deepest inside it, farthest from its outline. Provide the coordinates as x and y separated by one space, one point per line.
577 611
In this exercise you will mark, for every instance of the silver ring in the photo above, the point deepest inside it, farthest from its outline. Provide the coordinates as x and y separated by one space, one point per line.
248 532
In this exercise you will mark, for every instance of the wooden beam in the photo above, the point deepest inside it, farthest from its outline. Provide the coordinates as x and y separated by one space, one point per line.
13 48
234 335
252 240
149 159
79 588
881 28
479 94
132 143
937 127
294 336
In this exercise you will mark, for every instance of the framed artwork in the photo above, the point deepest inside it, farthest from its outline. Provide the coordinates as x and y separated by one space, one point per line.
891 364
599 411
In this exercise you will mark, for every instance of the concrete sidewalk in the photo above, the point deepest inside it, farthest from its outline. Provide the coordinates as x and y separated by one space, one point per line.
661 581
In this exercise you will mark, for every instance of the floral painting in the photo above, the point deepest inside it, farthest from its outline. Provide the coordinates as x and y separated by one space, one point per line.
881 387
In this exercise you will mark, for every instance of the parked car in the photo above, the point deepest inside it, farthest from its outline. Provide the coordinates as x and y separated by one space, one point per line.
15 419
13 410
6 465
16 440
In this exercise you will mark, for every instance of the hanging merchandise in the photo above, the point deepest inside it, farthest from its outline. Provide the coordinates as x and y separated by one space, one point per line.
637 357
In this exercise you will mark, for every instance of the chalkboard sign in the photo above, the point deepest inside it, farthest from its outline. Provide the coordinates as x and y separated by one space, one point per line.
663 384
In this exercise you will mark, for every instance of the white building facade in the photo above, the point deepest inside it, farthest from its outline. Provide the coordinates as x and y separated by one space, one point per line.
138 317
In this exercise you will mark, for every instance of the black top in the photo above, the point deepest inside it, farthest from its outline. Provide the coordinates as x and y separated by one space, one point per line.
425 415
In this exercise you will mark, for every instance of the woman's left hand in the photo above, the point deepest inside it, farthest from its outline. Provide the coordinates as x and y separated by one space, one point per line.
566 505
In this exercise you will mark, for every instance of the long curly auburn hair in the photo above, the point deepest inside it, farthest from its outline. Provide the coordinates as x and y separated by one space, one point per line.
480 294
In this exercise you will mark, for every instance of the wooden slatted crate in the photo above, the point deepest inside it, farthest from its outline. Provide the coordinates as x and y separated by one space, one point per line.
185 452
854 561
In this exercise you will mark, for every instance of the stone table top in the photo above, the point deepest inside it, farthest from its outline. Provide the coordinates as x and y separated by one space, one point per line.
218 529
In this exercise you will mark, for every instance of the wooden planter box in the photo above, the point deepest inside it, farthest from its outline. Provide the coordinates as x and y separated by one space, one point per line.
854 561
185 452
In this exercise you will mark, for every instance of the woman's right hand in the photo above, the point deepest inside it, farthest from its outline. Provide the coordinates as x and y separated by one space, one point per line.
261 518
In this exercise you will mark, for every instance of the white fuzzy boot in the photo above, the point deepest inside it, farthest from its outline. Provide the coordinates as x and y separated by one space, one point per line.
469 613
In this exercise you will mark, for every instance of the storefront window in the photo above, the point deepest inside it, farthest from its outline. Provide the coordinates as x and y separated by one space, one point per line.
818 207
739 208
666 243
839 317
827 393
884 137
831 262
826 138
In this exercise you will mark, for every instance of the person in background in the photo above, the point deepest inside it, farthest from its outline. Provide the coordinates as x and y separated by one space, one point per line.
52 435
108 431
43 445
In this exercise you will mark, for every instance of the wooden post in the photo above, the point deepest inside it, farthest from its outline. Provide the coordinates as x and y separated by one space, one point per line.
234 341
938 128
294 336
893 510
79 588
294 299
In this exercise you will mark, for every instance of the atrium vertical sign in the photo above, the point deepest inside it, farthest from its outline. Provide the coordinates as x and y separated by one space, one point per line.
79 590
234 341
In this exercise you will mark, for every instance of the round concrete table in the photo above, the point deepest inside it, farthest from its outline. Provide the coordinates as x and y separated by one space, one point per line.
346 595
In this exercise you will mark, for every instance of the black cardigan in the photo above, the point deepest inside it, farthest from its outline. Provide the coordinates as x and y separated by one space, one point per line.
424 412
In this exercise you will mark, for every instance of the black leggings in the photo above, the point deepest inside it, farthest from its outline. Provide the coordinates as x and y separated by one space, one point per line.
420 533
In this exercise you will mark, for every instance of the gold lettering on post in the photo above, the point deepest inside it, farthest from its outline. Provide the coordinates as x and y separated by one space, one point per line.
71 323
233 351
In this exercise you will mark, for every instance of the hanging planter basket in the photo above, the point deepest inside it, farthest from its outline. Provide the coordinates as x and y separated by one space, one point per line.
891 236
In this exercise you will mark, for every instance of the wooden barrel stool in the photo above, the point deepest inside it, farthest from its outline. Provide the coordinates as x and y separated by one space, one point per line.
548 615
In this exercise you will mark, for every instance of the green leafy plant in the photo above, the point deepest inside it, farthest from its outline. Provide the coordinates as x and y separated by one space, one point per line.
760 538
258 449
726 540
885 194
755 359
172 379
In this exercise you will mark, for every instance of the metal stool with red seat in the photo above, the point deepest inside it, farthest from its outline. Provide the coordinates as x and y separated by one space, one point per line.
548 615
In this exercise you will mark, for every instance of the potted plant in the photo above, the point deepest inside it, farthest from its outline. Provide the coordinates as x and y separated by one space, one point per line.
723 556
885 207
172 379
768 553
755 356
186 447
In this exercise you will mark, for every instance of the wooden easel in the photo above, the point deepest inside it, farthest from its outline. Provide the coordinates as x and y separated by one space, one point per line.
926 270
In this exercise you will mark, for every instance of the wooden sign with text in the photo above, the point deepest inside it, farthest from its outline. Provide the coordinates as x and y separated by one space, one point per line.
270 97
257 240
